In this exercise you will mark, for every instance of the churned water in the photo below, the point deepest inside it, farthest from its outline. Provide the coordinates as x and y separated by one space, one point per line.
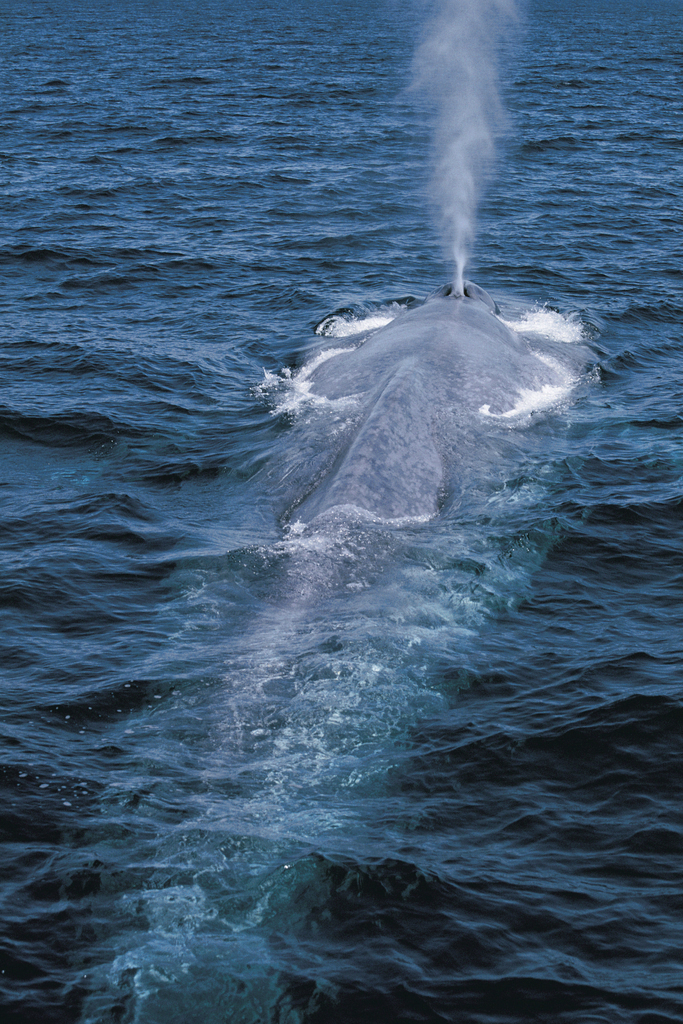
409 771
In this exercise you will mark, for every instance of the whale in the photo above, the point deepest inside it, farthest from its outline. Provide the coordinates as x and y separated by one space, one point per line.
426 389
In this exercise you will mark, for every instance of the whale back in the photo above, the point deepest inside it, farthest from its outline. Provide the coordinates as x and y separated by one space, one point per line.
420 384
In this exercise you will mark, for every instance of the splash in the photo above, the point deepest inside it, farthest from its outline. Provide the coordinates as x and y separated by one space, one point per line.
456 68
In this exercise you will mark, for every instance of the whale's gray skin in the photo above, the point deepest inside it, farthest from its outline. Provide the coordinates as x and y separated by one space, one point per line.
424 386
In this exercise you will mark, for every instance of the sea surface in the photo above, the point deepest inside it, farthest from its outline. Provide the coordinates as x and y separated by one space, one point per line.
393 772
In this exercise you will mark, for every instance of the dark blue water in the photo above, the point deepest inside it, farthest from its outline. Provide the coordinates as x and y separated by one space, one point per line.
419 772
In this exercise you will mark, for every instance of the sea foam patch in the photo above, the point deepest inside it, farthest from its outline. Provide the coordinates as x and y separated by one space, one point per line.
530 401
293 389
549 323
342 326
345 323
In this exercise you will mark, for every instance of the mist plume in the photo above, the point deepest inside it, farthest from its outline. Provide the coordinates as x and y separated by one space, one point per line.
456 68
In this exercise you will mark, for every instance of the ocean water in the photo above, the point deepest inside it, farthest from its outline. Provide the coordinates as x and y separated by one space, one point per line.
392 772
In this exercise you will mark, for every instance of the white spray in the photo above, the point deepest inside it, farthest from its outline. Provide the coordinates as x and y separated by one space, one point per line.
455 66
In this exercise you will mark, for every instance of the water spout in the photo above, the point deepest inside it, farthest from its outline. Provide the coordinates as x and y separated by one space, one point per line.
456 68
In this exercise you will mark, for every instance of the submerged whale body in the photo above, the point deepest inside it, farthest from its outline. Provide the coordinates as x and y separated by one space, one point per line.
424 387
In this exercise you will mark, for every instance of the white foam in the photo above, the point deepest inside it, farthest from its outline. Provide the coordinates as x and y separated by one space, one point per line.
342 516
530 401
553 326
550 324
295 388
344 327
